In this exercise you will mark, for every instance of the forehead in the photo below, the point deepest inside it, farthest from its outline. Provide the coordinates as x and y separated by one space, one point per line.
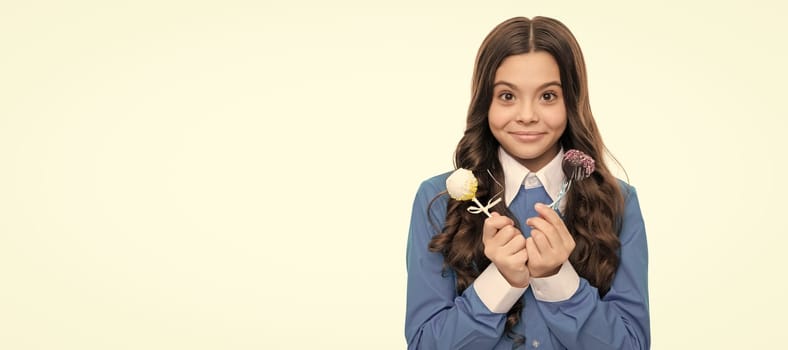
528 69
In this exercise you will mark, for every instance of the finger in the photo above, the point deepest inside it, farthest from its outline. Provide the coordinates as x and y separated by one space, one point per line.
493 224
549 214
516 261
516 244
542 243
533 251
521 256
551 232
498 221
552 217
519 260
505 235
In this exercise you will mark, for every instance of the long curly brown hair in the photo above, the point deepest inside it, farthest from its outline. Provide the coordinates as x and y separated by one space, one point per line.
594 206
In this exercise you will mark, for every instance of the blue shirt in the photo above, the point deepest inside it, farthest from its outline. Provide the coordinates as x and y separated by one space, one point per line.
438 318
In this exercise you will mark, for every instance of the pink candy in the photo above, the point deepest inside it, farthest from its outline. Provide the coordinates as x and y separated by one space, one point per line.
577 165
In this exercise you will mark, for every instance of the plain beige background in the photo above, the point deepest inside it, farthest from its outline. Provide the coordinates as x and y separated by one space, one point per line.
239 174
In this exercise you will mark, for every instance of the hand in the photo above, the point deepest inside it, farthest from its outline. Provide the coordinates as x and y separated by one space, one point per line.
550 243
504 245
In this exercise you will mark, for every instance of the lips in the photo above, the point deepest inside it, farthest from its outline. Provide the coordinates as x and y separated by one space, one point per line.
527 136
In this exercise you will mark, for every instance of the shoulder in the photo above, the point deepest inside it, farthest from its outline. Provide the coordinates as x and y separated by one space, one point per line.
626 189
632 224
434 185
429 208
628 192
431 198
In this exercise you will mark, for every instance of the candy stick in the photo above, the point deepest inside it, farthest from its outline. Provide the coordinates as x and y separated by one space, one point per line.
462 185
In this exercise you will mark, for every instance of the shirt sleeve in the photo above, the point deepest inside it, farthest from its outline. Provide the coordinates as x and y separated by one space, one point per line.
558 287
495 291
619 320
436 316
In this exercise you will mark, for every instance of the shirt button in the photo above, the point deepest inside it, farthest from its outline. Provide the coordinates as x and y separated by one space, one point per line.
535 343
531 182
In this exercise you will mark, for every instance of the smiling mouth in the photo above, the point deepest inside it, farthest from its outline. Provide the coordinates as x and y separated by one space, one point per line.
527 136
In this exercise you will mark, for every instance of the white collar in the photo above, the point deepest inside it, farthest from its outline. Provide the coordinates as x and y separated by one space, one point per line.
551 175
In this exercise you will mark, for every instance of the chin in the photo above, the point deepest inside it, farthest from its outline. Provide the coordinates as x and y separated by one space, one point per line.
528 154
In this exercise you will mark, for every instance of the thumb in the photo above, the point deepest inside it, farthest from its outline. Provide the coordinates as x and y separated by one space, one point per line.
488 230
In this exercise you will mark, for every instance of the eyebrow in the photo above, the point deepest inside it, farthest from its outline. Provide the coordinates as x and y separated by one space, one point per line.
514 87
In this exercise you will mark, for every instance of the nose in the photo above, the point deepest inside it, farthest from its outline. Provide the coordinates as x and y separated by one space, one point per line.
527 114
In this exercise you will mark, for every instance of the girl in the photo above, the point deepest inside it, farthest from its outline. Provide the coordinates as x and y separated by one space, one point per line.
528 277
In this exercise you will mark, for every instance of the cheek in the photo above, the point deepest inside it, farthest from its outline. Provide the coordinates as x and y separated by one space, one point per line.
556 119
497 117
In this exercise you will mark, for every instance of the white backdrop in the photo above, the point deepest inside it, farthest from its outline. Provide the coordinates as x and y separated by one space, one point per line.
239 175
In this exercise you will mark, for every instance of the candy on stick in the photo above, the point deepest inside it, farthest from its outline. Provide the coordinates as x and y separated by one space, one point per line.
461 185
577 166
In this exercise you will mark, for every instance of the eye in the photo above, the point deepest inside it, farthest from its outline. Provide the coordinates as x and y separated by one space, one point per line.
549 96
506 96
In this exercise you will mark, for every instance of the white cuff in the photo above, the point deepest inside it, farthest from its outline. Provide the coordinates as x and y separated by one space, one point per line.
558 287
495 292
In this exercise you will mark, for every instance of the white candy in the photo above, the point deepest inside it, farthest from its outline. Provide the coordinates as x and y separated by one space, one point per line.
461 185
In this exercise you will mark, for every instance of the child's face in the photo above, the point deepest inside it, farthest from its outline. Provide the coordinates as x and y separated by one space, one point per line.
527 114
